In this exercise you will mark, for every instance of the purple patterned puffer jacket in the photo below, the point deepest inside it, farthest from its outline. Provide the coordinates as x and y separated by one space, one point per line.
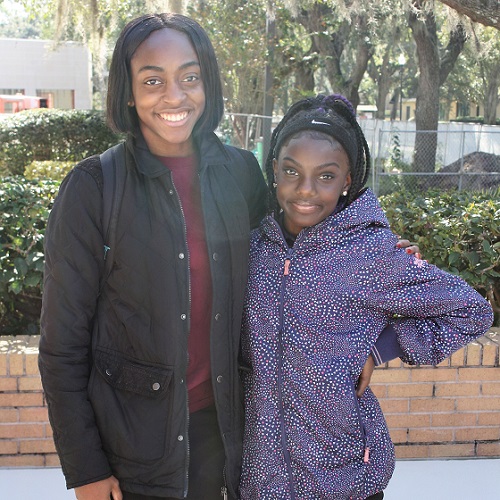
312 315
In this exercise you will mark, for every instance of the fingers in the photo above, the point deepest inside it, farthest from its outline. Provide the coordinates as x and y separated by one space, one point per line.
365 376
413 249
409 248
116 492
362 385
403 243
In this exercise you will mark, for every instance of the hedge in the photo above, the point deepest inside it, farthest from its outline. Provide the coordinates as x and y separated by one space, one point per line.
51 135
55 170
457 231
24 208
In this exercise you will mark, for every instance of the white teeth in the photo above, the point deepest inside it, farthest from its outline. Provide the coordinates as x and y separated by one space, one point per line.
173 117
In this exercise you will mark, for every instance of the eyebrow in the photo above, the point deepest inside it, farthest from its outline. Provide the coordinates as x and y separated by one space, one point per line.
151 67
317 167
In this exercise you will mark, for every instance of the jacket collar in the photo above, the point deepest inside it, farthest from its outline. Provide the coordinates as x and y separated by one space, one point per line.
211 151
364 211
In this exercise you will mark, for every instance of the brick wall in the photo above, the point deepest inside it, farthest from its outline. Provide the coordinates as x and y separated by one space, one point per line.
25 433
452 410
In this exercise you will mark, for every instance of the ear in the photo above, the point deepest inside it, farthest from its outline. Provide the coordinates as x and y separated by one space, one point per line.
275 167
348 182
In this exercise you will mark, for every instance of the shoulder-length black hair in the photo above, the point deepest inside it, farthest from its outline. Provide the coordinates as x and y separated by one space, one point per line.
122 117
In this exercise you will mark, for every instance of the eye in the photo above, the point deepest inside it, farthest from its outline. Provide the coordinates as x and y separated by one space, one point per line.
289 171
327 176
153 81
191 78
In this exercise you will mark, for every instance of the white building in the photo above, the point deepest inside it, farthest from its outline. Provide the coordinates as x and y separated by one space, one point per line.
60 74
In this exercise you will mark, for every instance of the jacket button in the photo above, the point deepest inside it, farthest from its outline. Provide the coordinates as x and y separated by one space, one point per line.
155 386
220 378
215 256
108 372
181 256
217 317
180 438
183 317
170 192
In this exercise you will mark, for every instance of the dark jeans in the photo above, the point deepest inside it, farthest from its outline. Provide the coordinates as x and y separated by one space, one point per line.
206 459
377 496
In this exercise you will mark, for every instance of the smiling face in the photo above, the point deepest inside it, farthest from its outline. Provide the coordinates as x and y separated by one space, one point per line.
168 92
311 172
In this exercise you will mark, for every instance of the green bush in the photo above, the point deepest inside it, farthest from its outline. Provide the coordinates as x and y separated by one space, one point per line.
51 134
24 208
457 231
55 170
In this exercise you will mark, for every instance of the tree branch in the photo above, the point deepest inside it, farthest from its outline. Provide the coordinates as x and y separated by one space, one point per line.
486 12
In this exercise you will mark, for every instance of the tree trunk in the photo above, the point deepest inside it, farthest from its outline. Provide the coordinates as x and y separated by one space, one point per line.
491 100
423 26
433 73
363 54
383 76
395 104
304 79
384 83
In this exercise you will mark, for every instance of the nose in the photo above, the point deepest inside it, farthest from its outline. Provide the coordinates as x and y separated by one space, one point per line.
173 93
306 186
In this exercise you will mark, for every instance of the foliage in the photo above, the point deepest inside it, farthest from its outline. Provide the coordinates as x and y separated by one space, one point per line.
49 134
14 22
24 208
237 31
395 166
457 231
308 48
55 170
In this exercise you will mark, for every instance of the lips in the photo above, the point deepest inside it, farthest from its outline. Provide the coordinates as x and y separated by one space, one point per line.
304 207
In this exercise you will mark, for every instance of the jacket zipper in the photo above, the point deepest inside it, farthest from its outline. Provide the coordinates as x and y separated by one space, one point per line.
186 431
223 490
284 441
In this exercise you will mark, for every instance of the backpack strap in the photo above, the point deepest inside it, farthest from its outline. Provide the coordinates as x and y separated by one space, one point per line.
113 176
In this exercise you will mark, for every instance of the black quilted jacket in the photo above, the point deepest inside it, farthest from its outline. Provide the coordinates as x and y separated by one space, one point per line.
113 367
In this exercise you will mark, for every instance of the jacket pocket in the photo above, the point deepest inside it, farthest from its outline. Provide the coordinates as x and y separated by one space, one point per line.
362 426
132 404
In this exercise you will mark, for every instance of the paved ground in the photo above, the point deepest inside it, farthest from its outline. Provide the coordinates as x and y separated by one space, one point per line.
477 479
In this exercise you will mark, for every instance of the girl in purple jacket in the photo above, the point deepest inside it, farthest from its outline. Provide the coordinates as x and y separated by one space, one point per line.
325 281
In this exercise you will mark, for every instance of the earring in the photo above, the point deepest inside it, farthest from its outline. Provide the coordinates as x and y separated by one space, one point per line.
344 193
275 185
130 103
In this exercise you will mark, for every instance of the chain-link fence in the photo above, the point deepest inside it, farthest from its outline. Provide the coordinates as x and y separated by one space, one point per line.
245 131
457 156
461 156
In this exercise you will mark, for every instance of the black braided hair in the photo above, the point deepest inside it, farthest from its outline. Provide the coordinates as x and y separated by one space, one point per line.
341 124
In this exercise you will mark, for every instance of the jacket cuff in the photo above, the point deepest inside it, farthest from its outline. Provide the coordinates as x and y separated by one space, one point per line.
386 347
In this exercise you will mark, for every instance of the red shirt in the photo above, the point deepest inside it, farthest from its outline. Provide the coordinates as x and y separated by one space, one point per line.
187 184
